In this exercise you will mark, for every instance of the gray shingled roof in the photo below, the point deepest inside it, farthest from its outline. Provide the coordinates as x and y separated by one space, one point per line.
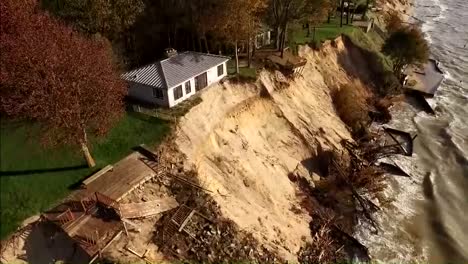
174 70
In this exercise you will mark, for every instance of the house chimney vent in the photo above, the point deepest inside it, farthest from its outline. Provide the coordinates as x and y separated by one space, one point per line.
170 52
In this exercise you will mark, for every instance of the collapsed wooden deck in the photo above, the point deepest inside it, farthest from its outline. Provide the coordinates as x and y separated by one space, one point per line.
144 209
124 177
92 216
90 223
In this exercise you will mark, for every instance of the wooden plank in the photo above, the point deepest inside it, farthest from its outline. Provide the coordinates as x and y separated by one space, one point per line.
186 220
144 209
134 186
134 252
106 246
142 256
98 174
126 221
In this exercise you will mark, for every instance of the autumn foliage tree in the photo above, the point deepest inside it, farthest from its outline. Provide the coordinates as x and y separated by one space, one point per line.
109 18
315 12
54 76
406 46
238 20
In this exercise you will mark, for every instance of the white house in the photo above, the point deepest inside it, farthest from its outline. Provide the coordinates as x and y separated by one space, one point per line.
173 80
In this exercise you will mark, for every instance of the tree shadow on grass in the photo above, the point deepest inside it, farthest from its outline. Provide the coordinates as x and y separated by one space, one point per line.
146 118
39 171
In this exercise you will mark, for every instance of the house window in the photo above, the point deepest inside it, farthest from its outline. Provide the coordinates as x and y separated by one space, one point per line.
220 69
178 92
188 87
158 93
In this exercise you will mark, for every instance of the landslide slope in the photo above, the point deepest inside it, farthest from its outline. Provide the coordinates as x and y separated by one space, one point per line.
245 139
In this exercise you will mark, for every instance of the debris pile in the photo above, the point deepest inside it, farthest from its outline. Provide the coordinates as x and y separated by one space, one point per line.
196 231
343 196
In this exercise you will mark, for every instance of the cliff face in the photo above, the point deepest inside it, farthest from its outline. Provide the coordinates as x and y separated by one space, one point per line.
244 140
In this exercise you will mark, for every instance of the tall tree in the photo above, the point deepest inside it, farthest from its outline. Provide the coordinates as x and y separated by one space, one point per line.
284 12
366 8
341 13
348 5
332 6
406 46
107 17
238 19
316 11
54 76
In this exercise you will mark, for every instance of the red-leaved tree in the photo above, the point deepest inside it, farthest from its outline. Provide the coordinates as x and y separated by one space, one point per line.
51 74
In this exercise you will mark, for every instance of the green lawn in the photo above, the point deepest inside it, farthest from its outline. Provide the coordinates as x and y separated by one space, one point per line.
28 186
244 72
322 32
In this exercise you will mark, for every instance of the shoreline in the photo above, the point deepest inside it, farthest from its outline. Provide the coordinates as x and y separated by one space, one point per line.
404 221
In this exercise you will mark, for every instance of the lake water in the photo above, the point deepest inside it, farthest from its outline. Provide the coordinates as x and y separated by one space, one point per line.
427 219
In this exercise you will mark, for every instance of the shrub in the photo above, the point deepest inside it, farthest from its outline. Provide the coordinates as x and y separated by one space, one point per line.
350 102
406 46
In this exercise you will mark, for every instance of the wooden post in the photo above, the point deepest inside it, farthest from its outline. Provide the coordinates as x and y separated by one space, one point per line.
341 13
70 214
125 227
97 237
82 205
237 57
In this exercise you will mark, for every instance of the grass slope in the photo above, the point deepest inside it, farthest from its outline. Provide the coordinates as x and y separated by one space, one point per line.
28 186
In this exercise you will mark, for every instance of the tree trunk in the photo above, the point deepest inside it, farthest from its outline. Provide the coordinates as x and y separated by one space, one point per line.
328 18
237 57
308 30
365 9
313 37
341 13
283 41
254 48
285 28
199 44
206 44
347 14
176 40
193 42
278 38
187 41
169 39
249 55
86 153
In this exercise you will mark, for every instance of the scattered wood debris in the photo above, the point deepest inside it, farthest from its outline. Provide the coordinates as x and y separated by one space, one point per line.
393 169
144 209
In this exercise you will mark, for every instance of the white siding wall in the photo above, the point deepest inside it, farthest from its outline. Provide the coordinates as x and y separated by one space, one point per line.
173 102
144 93
212 76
